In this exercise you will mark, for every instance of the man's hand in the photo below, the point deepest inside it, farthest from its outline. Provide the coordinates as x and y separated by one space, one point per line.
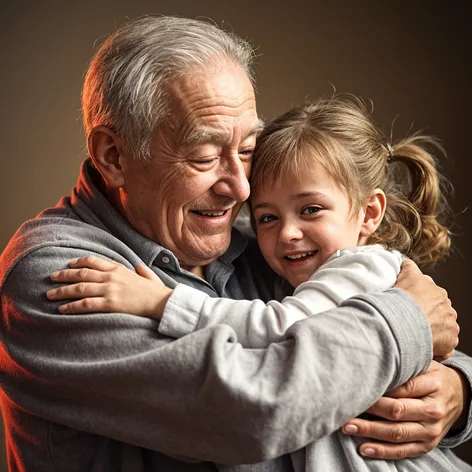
421 412
436 305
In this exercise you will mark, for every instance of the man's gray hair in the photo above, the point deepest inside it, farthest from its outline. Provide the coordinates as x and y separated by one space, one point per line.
125 85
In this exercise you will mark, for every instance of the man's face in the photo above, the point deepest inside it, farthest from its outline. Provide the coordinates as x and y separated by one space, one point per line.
187 197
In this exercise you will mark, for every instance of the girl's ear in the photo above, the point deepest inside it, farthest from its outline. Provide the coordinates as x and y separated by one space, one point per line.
107 151
373 212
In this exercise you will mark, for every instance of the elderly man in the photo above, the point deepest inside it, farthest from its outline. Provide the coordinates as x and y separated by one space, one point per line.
171 124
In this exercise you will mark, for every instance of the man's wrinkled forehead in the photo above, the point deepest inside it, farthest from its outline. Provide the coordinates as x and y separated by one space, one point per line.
213 104
202 133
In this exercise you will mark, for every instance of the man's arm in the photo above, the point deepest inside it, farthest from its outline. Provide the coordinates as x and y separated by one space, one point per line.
202 396
431 407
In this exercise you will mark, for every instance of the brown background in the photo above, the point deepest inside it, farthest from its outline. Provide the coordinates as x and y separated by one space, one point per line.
411 58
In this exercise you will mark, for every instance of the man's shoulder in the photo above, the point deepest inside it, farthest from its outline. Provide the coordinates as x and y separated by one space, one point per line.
52 229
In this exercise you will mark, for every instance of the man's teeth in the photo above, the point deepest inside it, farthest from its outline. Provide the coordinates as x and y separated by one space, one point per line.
211 213
300 256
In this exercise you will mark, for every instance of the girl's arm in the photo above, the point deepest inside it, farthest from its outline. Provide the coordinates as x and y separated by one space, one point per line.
105 286
347 273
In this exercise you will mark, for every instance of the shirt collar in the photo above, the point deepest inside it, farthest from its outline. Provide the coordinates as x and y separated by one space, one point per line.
94 208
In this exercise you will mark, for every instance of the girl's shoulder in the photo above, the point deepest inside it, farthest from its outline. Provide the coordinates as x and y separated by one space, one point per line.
372 254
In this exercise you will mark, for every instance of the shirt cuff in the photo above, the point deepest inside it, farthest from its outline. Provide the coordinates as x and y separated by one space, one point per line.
464 365
182 311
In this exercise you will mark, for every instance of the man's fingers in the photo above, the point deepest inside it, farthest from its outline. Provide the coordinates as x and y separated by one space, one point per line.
401 432
405 409
409 265
394 451
436 306
419 386
416 387
446 356
408 270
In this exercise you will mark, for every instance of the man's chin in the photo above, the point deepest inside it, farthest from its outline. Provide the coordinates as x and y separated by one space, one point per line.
211 254
204 254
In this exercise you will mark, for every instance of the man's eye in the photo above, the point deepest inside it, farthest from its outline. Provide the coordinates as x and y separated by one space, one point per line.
310 210
204 162
267 219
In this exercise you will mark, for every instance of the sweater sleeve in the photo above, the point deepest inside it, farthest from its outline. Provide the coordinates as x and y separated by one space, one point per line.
203 396
347 273
463 363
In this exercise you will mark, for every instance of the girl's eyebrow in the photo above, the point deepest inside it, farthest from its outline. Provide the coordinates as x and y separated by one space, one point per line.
297 196
261 205
301 195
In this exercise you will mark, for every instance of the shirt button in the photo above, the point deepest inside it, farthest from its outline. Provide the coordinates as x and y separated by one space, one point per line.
165 260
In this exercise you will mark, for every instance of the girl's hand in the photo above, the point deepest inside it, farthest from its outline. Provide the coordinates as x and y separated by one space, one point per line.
104 286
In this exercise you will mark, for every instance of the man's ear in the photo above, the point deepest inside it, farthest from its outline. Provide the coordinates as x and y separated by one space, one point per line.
107 151
373 212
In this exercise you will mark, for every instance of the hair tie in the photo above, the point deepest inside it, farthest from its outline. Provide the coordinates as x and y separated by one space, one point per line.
389 150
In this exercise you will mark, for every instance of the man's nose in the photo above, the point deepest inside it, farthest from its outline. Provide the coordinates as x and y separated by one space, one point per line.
233 179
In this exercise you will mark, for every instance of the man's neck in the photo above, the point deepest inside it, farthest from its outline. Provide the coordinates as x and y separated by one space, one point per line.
199 271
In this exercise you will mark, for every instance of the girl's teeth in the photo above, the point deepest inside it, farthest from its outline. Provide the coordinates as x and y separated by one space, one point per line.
300 256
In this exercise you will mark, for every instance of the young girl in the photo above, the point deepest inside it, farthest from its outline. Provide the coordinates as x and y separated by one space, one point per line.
334 206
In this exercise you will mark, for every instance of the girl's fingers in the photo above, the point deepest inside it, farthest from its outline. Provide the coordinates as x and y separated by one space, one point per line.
145 271
93 262
86 305
79 275
79 290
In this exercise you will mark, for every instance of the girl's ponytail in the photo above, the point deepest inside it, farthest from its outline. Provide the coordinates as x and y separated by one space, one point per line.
414 221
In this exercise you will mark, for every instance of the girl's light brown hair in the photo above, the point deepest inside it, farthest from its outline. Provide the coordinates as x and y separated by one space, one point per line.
340 134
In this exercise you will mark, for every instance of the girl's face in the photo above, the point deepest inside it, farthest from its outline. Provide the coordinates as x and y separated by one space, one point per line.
302 221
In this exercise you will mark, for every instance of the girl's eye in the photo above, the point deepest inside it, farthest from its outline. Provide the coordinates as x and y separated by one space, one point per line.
247 154
310 210
267 219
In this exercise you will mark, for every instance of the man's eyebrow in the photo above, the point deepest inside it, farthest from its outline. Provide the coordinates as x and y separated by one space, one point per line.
206 134
201 135
297 196
257 128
